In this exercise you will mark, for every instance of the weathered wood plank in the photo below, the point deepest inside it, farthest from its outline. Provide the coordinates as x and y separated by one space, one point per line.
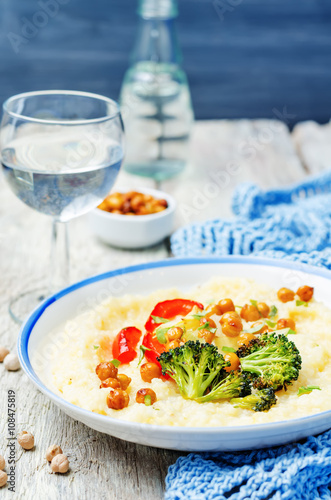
226 153
313 145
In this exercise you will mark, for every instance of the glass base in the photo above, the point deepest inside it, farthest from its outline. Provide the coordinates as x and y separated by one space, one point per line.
160 170
20 307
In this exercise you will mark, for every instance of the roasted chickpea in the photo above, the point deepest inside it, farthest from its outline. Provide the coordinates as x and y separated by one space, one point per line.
285 323
226 305
3 353
250 313
117 399
162 203
149 207
142 210
205 320
215 309
126 208
52 451
104 206
3 478
245 338
26 440
130 194
305 293
285 295
137 201
232 358
148 371
60 463
175 333
206 335
112 383
231 324
142 393
114 201
173 344
106 370
132 203
263 309
12 362
124 381
156 208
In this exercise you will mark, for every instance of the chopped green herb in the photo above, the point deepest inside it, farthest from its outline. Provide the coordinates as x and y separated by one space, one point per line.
286 331
301 303
148 400
273 311
161 335
255 329
210 301
96 347
116 362
254 303
228 349
308 389
270 323
239 307
205 326
157 409
158 319
142 349
199 315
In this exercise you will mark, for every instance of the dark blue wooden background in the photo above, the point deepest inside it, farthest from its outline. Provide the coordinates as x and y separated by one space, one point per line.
263 54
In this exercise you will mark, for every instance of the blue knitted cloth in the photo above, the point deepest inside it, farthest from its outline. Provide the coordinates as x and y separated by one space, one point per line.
292 223
292 472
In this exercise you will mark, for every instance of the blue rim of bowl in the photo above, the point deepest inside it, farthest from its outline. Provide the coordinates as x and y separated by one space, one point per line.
30 322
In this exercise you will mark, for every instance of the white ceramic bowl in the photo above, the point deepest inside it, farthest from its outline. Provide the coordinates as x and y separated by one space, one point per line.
35 351
134 231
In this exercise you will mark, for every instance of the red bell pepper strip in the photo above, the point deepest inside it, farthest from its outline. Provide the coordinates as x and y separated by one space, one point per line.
169 309
125 343
156 348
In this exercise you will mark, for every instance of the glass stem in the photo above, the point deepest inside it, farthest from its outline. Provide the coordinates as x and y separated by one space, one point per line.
59 277
157 184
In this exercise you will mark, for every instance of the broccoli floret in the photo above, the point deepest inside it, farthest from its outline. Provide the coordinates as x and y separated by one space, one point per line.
262 400
235 385
272 360
198 370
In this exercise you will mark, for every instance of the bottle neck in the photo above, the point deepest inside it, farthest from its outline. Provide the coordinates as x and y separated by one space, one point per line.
157 38
161 9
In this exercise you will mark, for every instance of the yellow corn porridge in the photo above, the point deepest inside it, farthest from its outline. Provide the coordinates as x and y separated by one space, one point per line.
91 334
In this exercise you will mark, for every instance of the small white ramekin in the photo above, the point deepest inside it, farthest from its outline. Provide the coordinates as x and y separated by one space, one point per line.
136 231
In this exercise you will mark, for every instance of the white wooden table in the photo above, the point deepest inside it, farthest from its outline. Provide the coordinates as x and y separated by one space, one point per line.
223 152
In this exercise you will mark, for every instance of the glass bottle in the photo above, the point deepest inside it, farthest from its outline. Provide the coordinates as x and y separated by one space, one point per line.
155 96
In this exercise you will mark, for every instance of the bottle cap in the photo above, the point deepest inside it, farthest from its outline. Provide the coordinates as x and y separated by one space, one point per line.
163 9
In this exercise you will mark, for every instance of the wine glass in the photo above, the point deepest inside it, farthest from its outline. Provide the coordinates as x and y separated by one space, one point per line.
61 152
